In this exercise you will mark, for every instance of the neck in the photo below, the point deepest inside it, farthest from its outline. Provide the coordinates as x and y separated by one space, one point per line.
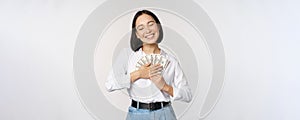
151 49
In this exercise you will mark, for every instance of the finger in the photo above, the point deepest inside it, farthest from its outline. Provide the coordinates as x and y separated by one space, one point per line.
146 65
157 64
157 74
154 74
156 67
155 71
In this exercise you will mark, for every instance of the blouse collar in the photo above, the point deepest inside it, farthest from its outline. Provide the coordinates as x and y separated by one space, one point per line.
162 52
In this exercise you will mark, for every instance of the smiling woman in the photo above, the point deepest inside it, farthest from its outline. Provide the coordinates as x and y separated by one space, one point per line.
146 29
194 40
152 70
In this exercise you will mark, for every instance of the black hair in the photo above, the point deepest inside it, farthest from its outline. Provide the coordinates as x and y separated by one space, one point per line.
135 42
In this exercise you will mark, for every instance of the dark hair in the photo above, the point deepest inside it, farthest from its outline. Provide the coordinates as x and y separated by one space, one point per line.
135 42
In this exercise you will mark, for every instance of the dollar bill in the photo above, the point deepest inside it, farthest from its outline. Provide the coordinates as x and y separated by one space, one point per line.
153 59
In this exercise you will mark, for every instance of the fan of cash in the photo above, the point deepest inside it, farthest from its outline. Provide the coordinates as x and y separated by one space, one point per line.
153 59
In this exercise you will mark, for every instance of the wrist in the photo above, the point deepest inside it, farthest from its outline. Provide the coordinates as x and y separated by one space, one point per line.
166 88
135 75
138 74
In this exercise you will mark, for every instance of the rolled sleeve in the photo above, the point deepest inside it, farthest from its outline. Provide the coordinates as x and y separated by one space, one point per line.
117 81
118 77
181 89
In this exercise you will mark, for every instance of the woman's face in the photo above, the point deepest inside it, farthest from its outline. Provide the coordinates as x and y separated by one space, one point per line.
147 29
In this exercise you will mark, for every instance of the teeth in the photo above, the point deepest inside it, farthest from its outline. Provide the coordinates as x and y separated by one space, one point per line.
150 36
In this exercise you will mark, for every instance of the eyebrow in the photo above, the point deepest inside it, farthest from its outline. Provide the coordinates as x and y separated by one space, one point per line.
147 23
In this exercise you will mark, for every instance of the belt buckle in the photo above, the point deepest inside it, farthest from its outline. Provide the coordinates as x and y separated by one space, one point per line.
151 106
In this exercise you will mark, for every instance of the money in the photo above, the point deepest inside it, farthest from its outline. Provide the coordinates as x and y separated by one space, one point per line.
164 62
149 58
153 59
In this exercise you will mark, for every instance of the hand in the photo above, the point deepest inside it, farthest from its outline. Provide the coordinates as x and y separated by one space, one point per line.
143 72
155 76
155 70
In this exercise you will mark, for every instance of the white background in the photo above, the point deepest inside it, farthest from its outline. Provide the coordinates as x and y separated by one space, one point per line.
260 38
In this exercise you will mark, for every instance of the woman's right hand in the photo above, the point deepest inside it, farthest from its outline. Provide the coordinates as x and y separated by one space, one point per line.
143 72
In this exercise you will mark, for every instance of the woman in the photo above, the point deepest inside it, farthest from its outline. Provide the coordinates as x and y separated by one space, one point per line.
151 87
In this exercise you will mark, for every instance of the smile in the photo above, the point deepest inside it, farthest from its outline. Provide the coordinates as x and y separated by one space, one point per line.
149 36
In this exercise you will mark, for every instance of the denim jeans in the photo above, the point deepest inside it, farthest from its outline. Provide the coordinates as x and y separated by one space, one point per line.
165 113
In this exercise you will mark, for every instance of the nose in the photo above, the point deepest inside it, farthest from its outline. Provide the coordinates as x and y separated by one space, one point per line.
148 30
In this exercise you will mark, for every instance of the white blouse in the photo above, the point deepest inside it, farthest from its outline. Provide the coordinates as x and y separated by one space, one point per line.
143 90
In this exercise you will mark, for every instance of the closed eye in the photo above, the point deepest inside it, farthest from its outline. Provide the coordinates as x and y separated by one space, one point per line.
151 23
140 28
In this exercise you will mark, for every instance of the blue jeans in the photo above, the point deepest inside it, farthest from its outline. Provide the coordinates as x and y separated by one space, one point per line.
165 113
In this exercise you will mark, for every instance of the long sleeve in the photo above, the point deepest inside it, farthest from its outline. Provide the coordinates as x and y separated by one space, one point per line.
118 77
181 89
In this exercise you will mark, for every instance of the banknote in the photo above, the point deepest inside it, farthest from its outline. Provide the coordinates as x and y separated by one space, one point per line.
153 59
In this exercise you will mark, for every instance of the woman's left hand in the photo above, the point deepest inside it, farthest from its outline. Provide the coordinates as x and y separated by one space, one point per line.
159 81
155 76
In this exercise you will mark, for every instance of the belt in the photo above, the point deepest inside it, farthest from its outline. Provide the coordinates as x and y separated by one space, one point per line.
149 106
